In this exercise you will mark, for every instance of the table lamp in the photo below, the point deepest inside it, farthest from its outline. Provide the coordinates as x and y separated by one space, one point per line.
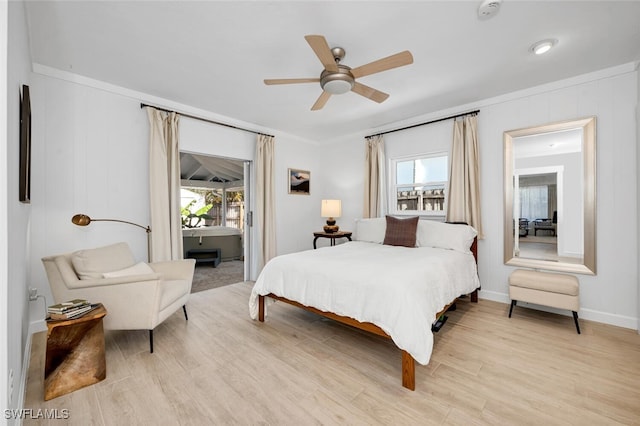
331 209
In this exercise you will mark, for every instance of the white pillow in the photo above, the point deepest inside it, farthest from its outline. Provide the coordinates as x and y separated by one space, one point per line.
445 235
371 230
92 263
137 269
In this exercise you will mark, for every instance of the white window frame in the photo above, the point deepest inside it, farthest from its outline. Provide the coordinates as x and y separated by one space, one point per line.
394 187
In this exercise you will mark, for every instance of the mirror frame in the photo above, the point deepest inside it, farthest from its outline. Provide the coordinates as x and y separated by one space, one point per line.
588 266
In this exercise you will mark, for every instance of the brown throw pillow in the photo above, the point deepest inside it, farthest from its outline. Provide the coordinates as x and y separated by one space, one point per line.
401 232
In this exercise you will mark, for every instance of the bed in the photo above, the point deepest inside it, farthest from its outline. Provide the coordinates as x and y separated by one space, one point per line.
392 291
225 238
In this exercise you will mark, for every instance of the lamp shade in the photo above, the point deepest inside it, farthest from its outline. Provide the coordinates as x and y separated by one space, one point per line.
331 208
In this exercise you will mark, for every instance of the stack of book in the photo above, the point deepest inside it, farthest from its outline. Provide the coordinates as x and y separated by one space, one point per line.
69 310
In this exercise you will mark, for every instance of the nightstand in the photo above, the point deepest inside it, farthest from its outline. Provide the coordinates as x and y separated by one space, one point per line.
332 236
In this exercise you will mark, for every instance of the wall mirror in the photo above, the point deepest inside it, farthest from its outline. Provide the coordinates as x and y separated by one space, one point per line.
550 197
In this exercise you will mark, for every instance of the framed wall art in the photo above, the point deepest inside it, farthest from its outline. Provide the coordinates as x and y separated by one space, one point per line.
25 146
299 181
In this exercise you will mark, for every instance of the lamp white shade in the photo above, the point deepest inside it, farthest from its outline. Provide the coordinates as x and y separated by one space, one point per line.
331 208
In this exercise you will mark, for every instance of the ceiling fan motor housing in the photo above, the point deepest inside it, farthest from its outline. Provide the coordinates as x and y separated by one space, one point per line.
337 82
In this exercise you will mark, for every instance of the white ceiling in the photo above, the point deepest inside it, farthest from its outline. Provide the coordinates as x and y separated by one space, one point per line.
214 55
195 167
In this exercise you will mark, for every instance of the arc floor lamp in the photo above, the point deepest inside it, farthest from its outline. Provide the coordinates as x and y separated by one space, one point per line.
84 220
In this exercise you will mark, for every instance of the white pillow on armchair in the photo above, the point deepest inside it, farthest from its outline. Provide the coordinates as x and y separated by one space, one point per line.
93 263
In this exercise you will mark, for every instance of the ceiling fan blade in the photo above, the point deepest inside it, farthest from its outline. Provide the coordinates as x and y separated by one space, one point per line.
369 92
321 48
324 97
290 80
384 64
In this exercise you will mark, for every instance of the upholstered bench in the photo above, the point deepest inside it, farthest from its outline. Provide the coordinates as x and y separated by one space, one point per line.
544 288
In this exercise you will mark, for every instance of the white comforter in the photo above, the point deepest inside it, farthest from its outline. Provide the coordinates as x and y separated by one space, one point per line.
399 289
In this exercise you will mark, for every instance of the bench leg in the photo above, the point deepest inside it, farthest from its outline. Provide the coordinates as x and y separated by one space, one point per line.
513 303
575 319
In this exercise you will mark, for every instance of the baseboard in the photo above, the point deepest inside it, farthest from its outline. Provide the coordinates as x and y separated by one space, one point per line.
584 313
34 327
494 296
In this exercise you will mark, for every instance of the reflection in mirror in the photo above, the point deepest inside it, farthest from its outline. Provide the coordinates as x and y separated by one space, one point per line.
550 197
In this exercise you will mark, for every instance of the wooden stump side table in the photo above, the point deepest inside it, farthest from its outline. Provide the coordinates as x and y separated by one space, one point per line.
75 354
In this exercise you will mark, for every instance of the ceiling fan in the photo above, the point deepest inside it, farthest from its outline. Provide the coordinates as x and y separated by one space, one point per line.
337 78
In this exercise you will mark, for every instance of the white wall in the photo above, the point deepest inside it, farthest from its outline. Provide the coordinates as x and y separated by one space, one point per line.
342 178
15 247
90 155
4 235
611 95
298 216
638 182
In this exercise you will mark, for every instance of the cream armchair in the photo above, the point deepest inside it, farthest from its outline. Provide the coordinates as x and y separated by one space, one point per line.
137 296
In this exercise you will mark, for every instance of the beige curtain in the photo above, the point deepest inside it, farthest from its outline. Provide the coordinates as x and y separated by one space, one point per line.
164 186
375 201
265 199
464 180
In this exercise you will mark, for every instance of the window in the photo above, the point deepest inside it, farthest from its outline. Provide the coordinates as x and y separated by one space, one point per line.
419 184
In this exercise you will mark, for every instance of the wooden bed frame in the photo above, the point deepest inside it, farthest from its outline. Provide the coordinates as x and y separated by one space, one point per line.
408 363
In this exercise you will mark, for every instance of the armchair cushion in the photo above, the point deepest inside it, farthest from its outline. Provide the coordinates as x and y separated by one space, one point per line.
93 263
137 269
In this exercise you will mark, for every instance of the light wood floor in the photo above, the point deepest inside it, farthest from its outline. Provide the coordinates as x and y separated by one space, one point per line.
296 369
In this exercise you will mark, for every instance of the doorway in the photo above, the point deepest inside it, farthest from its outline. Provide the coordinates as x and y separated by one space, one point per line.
538 205
214 207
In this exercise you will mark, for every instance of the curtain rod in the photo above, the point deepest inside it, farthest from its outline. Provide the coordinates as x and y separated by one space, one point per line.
428 122
142 105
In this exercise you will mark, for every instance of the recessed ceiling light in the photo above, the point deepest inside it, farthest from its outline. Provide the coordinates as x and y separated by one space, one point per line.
543 46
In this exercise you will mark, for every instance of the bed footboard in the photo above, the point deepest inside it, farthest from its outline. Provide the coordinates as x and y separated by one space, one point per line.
408 363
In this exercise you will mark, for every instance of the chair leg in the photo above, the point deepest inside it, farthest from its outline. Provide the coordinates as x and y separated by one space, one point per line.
513 303
184 308
575 319
150 341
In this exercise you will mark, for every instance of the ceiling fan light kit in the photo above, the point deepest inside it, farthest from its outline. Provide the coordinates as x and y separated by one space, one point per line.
338 82
337 79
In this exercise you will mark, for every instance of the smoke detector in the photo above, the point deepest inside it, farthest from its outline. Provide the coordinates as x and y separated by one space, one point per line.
488 9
